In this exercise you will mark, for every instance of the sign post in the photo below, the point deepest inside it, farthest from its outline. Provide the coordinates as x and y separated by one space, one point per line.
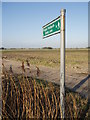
52 28
62 62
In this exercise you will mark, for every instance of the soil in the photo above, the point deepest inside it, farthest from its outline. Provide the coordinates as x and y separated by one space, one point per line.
76 78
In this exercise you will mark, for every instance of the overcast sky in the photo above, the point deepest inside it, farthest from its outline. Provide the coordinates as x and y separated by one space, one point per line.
22 24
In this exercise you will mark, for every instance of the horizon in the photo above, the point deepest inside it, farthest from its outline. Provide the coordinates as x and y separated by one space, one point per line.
44 48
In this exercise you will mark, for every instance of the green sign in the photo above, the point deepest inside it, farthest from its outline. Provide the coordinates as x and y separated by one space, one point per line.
52 28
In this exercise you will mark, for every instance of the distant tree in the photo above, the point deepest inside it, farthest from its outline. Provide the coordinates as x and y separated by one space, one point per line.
47 48
2 48
50 48
88 47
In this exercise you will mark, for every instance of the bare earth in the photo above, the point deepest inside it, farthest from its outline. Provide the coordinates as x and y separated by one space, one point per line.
76 79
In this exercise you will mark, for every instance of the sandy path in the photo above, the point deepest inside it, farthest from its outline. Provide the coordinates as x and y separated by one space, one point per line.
76 81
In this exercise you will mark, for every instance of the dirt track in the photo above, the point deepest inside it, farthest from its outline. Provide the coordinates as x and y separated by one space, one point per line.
74 80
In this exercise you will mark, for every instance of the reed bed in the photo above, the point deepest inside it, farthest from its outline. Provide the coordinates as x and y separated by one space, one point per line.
25 97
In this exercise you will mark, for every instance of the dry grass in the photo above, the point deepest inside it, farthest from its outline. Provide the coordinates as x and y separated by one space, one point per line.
49 58
24 97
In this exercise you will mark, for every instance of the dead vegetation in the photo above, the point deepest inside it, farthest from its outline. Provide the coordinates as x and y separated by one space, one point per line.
25 97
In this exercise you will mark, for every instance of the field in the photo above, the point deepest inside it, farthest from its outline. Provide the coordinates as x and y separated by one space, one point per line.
49 57
24 96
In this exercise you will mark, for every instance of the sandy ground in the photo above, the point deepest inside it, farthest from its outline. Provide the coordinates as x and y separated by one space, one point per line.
75 80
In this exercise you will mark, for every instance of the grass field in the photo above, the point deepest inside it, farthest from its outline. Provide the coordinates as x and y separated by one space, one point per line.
49 57
27 97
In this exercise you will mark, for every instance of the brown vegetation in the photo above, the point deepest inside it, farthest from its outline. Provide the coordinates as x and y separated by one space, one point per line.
24 97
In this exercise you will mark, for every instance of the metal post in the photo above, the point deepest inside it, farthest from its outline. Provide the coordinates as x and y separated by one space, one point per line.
62 66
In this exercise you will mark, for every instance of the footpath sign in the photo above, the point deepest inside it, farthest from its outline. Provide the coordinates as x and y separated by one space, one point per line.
54 27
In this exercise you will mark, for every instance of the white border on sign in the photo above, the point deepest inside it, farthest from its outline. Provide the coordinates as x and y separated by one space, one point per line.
51 22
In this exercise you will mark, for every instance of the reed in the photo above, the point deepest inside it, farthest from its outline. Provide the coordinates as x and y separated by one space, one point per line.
25 97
